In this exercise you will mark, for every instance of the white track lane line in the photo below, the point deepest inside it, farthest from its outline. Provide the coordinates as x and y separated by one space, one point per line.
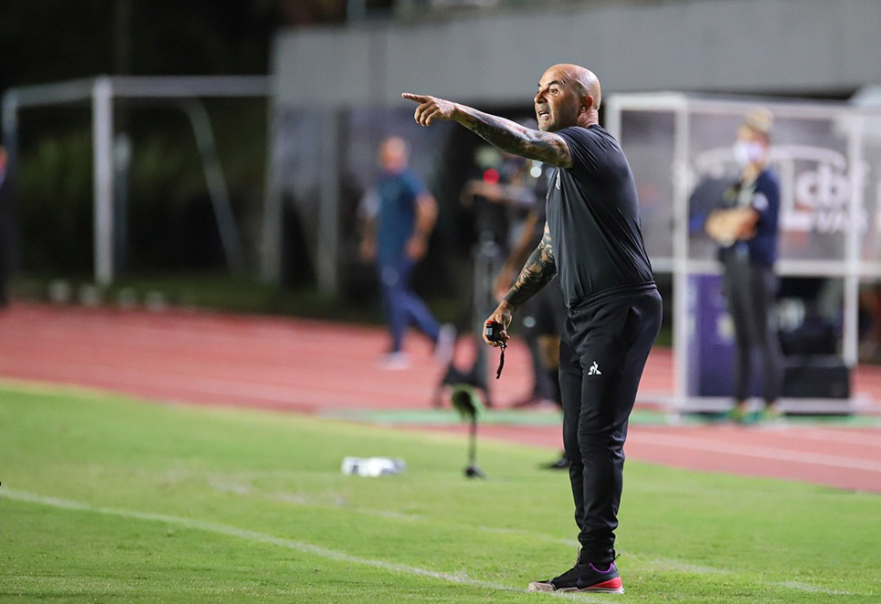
306 548
330 554
848 436
804 457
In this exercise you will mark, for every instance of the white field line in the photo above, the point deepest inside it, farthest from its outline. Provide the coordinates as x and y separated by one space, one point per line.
804 457
814 589
655 562
306 548
322 552
224 485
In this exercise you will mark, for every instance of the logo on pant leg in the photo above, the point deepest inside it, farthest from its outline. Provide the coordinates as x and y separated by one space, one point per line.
594 369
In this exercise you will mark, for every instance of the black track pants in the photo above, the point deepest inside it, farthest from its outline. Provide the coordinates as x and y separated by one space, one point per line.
603 352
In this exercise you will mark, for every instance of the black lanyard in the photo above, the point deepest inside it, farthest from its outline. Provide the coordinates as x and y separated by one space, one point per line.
492 331
501 360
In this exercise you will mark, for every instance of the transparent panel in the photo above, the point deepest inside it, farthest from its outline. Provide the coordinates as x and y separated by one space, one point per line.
810 155
647 138
870 176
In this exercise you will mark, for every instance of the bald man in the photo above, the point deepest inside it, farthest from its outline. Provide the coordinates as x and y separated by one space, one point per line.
592 241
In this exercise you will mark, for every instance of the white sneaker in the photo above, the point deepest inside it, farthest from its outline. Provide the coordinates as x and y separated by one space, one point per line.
394 361
443 348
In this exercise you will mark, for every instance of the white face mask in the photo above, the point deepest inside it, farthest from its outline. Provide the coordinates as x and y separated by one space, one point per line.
746 152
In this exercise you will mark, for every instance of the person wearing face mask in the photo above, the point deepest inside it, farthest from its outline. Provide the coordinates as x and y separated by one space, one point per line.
746 230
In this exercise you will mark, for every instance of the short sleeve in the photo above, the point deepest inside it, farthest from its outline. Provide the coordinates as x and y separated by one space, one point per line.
766 198
583 147
369 206
760 202
414 185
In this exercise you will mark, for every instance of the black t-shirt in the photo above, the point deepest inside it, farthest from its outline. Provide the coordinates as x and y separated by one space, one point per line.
593 216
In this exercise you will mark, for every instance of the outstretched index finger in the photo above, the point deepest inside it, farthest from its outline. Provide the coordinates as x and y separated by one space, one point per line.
419 98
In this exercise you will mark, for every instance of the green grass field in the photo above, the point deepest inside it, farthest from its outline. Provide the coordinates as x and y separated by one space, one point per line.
107 499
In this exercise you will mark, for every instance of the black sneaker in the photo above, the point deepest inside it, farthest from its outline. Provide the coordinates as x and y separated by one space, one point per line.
560 464
585 578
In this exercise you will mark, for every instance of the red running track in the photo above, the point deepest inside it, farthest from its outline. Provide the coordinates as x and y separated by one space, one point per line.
309 366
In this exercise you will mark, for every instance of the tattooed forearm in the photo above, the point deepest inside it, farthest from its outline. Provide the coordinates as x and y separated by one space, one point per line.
514 138
540 269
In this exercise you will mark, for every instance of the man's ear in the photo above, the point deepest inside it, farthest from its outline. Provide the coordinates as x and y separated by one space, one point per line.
586 102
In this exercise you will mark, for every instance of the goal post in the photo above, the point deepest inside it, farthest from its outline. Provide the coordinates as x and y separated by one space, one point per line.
102 92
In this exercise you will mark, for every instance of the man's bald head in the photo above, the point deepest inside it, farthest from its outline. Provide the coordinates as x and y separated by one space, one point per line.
568 95
586 82
393 154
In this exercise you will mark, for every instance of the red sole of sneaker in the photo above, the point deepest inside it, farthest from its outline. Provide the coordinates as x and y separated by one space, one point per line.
594 590
612 586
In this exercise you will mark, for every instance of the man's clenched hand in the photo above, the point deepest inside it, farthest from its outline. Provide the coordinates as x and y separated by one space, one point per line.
502 315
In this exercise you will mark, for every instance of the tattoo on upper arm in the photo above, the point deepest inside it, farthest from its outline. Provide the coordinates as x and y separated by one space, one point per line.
540 269
512 137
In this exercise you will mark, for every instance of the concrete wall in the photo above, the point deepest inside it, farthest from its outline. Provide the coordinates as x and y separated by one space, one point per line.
799 46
